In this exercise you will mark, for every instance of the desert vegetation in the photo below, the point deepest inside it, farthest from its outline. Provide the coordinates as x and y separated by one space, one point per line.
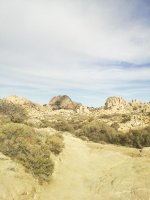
21 143
97 131
59 123
54 143
15 112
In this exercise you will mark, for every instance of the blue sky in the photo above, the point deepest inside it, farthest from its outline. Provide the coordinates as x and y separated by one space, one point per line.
86 49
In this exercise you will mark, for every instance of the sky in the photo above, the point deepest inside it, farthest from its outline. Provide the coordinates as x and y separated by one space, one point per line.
86 49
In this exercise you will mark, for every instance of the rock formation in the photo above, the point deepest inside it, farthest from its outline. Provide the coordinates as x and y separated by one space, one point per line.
135 111
20 100
63 102
83 109
115 102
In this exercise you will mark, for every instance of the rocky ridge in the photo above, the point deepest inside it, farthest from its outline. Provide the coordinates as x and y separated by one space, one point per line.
136 113
118 104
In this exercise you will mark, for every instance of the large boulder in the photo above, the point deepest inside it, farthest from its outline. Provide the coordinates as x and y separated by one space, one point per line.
63 102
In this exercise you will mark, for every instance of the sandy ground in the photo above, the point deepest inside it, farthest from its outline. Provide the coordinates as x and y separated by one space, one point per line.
84 171
98 172
15 184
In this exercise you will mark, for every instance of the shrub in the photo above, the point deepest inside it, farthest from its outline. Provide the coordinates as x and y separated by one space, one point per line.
139 138
79 121
115 125
20 142
100 132
84 138
97 131
45 123
15 112
61 125
126 118
55 143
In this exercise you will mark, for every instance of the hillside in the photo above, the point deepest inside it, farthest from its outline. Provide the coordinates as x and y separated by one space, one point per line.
69 153
128 115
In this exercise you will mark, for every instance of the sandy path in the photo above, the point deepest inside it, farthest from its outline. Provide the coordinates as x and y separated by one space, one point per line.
84 173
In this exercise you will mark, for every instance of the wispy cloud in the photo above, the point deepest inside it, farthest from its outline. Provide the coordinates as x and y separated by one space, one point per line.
82 48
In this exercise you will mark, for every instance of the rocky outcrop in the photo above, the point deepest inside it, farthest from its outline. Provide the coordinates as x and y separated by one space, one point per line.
36 112
65 107
119 105
115 102
21 101
83 109
138 106
63 102
135 102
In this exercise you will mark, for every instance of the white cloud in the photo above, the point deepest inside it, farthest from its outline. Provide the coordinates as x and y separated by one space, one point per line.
54 44
59 29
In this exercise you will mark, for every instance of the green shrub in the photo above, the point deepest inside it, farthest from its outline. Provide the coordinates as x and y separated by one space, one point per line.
100 132
138 138
15 112
97 131
79 121
61 125
20 142
55 143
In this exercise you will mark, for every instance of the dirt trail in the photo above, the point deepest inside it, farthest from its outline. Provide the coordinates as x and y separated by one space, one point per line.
103 173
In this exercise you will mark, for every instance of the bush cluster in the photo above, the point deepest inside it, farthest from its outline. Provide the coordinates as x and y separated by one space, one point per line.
93 129
97 131
20 142
136 138
15 112
55 143
59 124
101 132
